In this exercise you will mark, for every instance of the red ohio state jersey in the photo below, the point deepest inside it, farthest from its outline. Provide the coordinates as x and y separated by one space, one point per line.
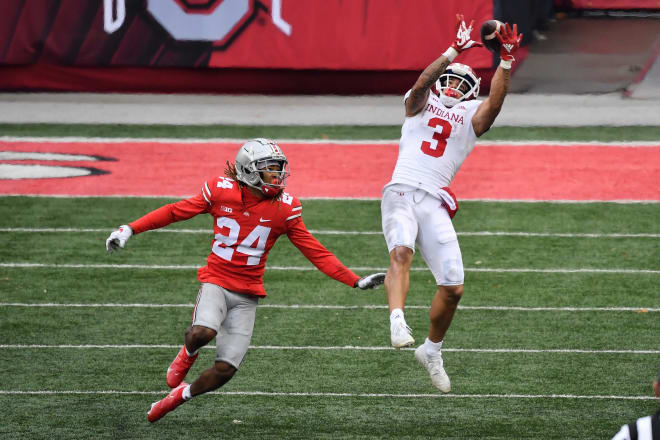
245 229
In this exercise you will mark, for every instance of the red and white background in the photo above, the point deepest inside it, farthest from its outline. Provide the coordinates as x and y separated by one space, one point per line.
110 45
271 34
500 171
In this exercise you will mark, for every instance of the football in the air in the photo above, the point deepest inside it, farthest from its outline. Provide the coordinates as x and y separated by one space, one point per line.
488 37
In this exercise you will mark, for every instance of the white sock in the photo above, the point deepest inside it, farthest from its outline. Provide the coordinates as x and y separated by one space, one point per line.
431 347
189 353
186 393
397 314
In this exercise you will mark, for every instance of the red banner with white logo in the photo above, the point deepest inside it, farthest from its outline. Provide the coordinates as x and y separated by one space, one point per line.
254 34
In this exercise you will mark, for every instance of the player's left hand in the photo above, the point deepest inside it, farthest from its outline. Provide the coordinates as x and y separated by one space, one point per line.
370 281
509 41
463 40
118 238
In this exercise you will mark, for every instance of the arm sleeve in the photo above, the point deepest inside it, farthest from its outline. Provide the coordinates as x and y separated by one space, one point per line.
174 212
314 251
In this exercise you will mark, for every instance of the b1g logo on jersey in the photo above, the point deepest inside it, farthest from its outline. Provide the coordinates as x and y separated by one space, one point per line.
217 21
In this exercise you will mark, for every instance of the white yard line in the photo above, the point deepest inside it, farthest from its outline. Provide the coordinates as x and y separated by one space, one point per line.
179 196
394 142
312 268
326 348
337 395
340 307
349 233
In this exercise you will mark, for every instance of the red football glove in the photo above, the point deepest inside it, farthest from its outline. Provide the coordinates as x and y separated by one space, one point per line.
463 40
509 41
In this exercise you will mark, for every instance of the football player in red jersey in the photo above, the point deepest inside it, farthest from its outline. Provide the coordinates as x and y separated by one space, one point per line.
250 211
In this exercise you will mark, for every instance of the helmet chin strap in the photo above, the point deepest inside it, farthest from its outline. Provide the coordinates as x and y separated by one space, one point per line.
270 191
449 101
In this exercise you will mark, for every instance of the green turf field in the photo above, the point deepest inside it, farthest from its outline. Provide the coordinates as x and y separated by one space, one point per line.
557 335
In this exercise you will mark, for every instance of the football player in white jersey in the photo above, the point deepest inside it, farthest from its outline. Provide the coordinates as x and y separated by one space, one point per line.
443 121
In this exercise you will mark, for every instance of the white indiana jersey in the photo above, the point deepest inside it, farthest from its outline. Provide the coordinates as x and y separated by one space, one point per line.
434 143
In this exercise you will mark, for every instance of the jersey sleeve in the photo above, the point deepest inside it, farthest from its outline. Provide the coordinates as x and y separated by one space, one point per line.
295 211
314 251
173 212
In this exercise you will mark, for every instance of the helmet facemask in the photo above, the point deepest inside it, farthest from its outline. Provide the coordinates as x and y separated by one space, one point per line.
278 168
458 83
257 157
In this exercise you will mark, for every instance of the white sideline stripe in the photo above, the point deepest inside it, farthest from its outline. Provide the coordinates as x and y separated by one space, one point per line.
350 395
312 268
334 348
394 142
335 232
179 196
338 307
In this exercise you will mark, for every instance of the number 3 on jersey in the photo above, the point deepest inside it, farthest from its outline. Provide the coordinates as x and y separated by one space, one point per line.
437 148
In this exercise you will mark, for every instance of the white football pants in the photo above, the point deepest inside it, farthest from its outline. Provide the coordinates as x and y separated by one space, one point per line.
412 216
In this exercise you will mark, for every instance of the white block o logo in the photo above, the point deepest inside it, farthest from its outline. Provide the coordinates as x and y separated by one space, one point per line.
183 25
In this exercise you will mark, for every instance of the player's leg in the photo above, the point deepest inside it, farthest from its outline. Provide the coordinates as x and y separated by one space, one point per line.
397 279
443 307
232 343
439 247
209 311
400 230
235 314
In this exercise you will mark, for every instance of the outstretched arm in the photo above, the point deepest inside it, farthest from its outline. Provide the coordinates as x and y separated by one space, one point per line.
499 86
326 261
163 216
420 91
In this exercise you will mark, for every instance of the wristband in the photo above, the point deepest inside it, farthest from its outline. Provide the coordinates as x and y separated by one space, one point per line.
506 64
451 53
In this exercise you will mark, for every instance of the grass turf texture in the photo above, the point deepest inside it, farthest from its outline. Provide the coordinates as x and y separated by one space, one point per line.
337 371
595 133
311 370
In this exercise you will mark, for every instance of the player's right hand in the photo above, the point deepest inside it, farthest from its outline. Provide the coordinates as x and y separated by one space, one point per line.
463 40
118 238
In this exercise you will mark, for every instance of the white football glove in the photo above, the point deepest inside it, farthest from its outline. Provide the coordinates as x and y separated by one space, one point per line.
371 281
118 238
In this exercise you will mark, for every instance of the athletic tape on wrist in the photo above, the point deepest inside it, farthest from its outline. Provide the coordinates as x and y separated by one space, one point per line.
506 64
451 53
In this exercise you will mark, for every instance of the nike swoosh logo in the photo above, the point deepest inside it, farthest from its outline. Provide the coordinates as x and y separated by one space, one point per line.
263 220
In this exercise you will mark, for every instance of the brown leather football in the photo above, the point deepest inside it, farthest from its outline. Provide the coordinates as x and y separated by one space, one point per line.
488 37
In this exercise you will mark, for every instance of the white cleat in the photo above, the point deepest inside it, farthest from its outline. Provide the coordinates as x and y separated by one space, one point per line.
400 334
434 366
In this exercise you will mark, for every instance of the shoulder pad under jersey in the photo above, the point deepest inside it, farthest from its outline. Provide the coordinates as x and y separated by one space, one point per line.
216 188
292 206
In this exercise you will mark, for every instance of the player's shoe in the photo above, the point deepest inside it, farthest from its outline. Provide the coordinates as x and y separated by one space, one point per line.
179 367
400 334
434 366
169 403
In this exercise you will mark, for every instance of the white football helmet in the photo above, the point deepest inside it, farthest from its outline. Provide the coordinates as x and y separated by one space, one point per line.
452 92
254 157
